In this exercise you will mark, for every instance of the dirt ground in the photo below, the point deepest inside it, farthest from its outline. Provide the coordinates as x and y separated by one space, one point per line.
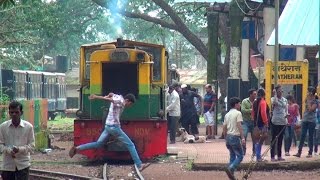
165 169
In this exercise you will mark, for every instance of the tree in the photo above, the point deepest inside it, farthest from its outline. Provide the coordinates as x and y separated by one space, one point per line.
31 29
186 18
183 18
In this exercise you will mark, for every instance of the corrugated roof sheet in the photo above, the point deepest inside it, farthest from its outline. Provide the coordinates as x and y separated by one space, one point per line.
210 1
192 77
298 24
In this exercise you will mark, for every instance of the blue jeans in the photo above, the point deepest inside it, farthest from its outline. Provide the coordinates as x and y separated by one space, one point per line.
316 139
288 137
248 126
117 132
258 145
233 143
307 126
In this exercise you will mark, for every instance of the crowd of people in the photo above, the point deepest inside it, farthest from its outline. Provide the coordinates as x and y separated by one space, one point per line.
185 106
251 115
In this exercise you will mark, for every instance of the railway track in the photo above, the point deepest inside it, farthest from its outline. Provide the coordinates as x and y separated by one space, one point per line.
36 174
136 173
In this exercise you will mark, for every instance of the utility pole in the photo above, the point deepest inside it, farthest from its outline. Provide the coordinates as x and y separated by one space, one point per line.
276 43
212 63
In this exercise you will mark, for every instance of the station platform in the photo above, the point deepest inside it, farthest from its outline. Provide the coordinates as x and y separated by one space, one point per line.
214 155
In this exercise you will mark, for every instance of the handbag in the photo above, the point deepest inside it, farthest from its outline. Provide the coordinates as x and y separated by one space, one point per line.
259 134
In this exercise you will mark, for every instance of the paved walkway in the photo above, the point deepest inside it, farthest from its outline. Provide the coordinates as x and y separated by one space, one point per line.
214 155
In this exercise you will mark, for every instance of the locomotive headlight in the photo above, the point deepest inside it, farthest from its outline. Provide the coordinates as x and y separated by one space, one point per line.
140 57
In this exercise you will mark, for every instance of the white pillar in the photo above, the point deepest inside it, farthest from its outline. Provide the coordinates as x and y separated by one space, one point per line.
245 59
234 62
268 19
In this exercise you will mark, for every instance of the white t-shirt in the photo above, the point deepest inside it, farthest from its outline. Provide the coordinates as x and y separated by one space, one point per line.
115 110
231 119
174 104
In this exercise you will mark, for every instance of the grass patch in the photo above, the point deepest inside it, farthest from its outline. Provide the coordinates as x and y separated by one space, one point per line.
161 158
189 165
60 123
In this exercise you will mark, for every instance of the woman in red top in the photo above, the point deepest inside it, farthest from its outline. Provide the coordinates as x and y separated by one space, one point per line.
293 111
260 115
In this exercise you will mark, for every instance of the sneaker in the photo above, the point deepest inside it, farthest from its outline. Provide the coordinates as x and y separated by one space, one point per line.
309 156
262 160
287 154
316 154
281 159
273 160
230 174
297 155
72 151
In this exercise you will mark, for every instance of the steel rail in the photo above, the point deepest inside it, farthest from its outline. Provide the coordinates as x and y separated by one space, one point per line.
51 175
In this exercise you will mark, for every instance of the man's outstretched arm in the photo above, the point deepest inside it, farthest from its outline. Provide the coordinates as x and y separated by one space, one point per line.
106 98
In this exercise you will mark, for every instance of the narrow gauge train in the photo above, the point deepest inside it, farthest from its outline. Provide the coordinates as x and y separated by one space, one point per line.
28 85
124 67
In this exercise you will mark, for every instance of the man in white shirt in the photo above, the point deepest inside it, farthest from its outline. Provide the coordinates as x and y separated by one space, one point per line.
173 110
16 144
112 127
232 130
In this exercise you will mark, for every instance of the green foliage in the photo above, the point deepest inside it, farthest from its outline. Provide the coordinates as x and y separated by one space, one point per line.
60 123
4 101
189 165
31 29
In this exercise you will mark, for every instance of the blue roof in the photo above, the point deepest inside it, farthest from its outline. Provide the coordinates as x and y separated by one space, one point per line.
298 24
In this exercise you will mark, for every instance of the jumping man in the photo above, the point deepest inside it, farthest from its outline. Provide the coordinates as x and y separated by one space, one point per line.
112 127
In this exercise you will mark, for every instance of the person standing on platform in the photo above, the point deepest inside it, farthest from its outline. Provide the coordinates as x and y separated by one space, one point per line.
247 124
308 123
188 110
293 118
173 110
260 115
209 100
279 122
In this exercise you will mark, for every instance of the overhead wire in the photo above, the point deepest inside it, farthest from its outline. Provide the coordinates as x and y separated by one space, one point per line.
254 10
